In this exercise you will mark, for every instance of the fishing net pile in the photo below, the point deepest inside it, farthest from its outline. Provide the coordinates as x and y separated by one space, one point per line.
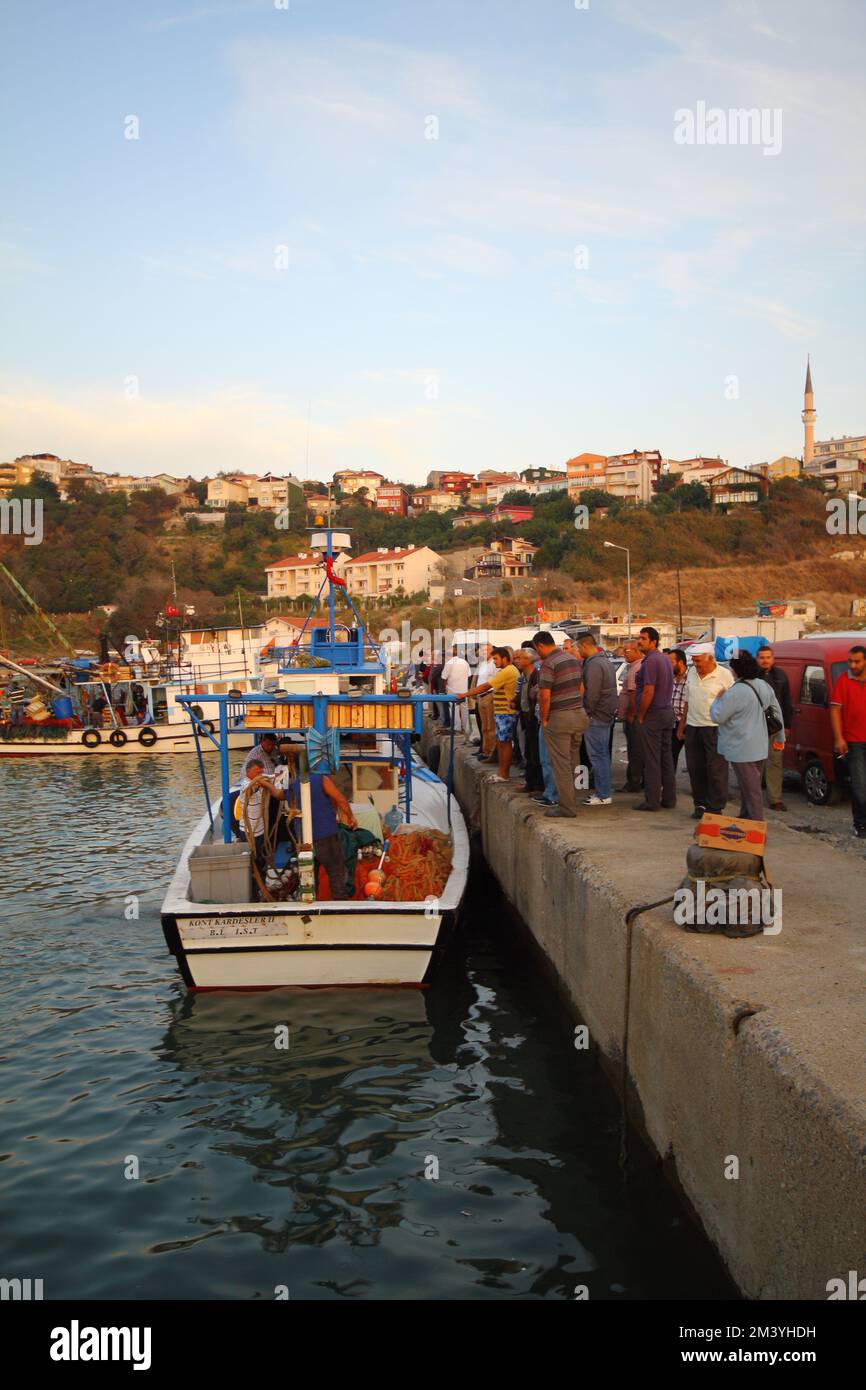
417 866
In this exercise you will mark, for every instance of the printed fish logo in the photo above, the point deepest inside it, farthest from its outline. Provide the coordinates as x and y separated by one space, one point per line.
733 832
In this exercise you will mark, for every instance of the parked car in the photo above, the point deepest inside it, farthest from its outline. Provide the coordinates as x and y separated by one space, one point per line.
812 666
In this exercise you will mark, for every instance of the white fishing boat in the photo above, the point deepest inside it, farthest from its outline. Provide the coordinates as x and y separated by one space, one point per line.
81 709
256 914
116 718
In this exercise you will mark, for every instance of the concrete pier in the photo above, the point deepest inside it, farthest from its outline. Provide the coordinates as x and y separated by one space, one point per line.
750 1049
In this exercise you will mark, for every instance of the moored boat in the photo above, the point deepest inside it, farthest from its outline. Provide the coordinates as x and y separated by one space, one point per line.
249 910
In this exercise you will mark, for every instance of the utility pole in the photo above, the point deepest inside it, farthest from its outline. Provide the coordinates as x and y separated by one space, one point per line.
679 603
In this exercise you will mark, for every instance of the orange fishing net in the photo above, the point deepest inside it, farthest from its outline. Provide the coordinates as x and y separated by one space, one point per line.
417 866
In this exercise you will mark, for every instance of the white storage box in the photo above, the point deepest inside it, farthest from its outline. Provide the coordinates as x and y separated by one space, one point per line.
221 874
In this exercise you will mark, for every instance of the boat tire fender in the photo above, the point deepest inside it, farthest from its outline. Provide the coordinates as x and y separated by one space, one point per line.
117 738
147 738
91 738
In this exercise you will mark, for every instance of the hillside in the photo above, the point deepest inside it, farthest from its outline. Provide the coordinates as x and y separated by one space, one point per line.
109 550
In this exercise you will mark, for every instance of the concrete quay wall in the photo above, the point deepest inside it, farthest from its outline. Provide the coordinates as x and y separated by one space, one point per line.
753 1049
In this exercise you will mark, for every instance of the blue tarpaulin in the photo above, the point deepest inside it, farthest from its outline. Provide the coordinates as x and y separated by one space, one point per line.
726 647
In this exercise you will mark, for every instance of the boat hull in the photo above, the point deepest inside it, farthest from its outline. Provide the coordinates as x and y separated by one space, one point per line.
306 947
170 740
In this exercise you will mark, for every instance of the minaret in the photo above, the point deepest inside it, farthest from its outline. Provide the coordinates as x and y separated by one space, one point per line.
808 418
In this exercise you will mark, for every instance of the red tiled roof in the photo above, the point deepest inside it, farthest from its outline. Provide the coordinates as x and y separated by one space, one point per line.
291 561
373 557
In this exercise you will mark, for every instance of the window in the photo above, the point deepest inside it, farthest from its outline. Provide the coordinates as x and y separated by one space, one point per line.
814 691
839 668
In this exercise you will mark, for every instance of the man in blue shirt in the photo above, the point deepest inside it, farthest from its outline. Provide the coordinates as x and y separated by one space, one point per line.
655 719
327 800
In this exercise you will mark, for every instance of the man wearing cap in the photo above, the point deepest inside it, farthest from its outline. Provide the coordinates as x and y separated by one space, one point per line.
708 770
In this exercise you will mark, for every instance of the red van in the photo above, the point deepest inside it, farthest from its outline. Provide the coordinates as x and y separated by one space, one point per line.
812 666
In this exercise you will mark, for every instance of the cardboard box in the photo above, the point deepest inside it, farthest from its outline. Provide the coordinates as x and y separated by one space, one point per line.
729 832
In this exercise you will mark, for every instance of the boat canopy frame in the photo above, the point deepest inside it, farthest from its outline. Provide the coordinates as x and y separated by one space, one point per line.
231 711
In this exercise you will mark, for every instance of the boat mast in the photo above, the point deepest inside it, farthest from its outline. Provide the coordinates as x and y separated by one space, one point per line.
36 609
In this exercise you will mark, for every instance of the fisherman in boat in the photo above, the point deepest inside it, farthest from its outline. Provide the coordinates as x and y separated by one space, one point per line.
264 753
255 776
327 800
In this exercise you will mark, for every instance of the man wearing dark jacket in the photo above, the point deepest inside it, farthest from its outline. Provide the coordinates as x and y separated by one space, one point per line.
599 701
778 682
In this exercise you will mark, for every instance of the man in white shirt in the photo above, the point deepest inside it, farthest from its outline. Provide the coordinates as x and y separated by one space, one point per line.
257 805
455 678
484 704
708 770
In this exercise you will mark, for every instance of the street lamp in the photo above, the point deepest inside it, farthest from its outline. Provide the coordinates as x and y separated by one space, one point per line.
610 545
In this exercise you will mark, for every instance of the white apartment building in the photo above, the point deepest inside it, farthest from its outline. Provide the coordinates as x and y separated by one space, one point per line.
271 493
546 485
408 568
222 491
299 574
632 481
120 482
351 480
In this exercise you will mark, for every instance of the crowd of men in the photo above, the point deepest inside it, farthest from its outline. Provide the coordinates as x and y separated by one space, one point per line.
553 709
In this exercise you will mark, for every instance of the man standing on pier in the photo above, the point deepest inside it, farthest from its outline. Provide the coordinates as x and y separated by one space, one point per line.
455 678
778 682
848 721
680 666
563 718
484 704
708 770
599 703
655 719
504 685
627 712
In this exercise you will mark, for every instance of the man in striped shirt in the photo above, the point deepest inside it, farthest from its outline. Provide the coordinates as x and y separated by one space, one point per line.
563 718
17 701
680 665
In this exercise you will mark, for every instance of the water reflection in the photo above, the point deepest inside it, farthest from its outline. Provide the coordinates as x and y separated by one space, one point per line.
446 1143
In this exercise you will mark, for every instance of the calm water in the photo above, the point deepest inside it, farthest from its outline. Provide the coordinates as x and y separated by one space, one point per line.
305 1167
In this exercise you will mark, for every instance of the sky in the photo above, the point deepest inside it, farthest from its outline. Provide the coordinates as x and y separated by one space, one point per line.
417 234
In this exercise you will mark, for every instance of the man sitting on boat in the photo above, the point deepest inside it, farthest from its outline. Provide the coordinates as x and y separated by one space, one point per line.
327 800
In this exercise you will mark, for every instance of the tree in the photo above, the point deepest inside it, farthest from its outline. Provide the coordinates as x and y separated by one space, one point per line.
667 482
519 497
595 497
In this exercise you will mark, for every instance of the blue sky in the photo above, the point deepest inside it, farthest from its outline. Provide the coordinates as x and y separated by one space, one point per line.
431 313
